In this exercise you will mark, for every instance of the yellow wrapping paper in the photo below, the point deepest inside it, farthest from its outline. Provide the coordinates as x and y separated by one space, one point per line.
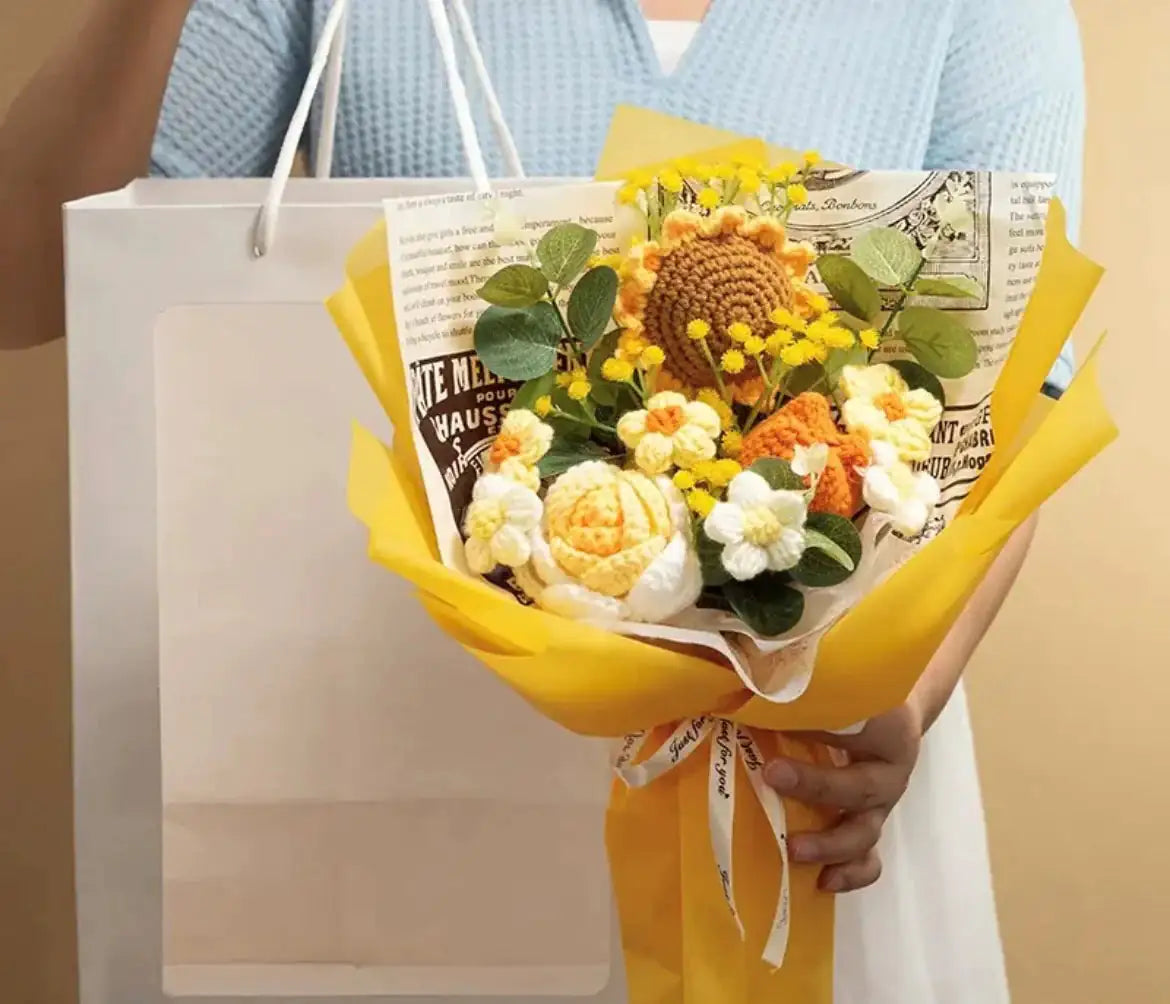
681 945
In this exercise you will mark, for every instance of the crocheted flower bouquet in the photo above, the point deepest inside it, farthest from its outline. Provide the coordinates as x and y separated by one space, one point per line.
733 478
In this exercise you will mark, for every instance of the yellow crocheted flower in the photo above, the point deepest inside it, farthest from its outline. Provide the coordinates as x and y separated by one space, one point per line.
522 435
514 469
879 403
615 545
670 432
708 285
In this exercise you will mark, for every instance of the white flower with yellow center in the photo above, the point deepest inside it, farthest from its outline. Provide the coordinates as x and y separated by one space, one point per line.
514 469
523 437
881 404
614 545
760 527
499 523
670 432
892 487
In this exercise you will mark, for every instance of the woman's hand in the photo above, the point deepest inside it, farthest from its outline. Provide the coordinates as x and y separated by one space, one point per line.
881 759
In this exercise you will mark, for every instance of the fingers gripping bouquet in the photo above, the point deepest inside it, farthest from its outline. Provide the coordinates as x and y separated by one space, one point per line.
706 455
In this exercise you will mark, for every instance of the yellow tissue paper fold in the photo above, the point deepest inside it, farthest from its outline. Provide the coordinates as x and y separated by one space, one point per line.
680 941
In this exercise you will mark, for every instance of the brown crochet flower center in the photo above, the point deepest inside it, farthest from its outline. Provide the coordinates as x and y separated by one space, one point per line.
722 280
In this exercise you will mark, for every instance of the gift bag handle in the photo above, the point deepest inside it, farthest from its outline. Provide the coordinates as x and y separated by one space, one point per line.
327 63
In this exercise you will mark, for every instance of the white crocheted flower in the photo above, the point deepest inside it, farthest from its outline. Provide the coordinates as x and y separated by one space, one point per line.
499 523
891 487
761 528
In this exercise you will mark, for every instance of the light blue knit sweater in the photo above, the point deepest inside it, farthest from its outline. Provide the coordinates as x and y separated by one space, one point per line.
877 83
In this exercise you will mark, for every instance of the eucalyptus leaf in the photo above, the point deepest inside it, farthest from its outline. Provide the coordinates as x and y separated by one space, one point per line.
887 256
810 376
518 344
779 474
710 559
529 393
591 304
919 378
939 341
820 566
767 604
564 252
515 286
566 453
848 284
958 288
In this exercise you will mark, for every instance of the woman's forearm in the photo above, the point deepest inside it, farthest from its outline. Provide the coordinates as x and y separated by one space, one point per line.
942 675
84 124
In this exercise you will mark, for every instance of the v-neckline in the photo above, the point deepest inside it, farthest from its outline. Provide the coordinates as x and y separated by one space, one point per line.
651 64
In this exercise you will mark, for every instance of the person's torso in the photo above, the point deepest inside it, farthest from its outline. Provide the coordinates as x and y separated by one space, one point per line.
855 79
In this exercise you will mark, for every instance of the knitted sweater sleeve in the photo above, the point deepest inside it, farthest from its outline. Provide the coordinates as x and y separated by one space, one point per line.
1012 97
237 75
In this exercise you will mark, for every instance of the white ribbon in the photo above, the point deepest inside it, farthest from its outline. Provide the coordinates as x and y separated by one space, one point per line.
730 743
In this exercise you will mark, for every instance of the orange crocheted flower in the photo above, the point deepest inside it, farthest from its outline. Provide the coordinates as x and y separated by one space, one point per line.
804 421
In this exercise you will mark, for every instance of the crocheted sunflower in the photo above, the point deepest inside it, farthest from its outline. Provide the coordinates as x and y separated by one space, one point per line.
805 421
725 269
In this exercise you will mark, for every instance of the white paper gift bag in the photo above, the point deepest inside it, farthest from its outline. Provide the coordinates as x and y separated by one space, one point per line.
274 799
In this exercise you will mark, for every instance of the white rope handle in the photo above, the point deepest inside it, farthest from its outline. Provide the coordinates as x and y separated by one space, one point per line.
463 116
328 60
264 229
499 122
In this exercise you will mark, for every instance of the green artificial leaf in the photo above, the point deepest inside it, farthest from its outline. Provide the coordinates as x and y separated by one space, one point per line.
959 287
920 378
591 304
829 538
939 341
713 599
710 559
767 604
854 324
839 359
779 474
529 393
518 344
565 251
810 376
887 256
515 286
848 284
566 453
571 406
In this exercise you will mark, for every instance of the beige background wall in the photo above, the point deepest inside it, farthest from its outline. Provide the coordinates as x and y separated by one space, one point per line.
1075 783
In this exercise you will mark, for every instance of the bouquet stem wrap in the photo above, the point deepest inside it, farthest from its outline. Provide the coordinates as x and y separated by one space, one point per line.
669 848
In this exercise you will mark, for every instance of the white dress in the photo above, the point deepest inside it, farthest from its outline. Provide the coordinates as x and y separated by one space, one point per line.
927 932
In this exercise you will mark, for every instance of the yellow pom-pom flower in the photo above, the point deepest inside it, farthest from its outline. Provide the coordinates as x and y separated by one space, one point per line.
781 174
839 338
739 332
749 179
783 318
671 431
733 361
732 442
697 330
812 158
753 345
709 198
684 481
795 354
797 195
617 370
579 389
870 338
704 470
701 502
671 180
628 195
777 341
652 356
725 472
543 406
